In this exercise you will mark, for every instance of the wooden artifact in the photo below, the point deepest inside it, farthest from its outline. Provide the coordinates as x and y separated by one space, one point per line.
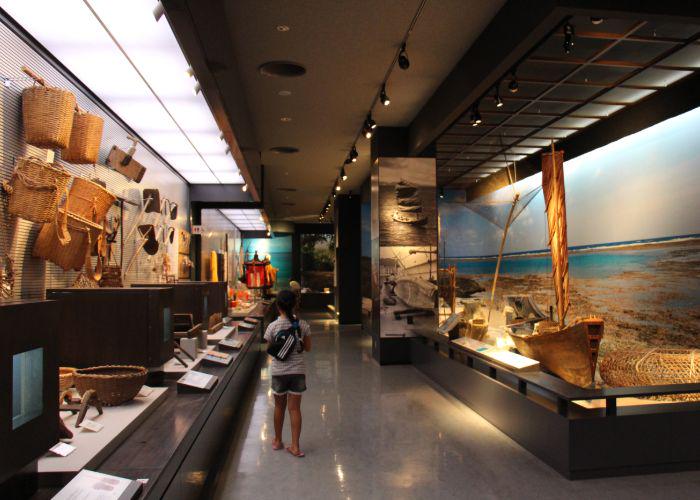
124 163
416 293
79 406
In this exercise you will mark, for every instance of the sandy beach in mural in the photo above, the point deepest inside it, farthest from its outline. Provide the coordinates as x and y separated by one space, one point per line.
648 294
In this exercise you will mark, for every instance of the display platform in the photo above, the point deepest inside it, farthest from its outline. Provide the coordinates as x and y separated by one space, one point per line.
91 448
582 433
223 333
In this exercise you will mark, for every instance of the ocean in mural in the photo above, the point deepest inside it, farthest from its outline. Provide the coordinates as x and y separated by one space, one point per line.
634 233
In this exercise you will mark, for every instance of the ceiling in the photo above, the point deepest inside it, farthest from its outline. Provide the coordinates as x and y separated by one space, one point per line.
346 48
611 65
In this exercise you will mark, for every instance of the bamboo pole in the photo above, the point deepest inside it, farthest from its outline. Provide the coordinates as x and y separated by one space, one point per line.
500 251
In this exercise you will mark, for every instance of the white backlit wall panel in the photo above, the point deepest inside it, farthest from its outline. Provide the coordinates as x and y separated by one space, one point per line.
174 120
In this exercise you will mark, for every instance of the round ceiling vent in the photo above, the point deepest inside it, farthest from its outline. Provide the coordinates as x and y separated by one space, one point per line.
282 68
284 150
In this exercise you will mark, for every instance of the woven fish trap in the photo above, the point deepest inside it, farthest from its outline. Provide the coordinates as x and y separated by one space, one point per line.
632 368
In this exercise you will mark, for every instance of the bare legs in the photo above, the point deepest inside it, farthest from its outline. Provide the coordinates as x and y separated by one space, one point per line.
295 419
280 407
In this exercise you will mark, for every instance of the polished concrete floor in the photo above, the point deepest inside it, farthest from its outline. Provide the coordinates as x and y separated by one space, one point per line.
375 432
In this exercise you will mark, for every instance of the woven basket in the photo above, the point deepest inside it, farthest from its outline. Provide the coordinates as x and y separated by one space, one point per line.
71 255
89 200
630 368
65 378
47 113
478 328
36 188
85 138
114 384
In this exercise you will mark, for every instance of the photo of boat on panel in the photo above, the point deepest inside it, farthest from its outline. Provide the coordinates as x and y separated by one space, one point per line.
407 208
409 291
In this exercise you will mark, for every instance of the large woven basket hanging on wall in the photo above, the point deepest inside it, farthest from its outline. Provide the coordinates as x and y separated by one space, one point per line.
83 233
630 368
35 190
89 200
85 138
47 113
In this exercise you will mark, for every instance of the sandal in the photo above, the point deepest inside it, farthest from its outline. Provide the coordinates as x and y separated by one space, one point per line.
298 454
277 446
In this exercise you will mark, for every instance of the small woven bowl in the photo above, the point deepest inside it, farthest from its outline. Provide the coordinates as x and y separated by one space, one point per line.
114 384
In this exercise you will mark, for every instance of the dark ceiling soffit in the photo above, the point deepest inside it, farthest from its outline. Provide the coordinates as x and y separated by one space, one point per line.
218 193
203 205
205 40
676 100
516 30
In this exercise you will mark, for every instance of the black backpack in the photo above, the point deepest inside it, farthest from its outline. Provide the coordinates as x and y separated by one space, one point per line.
285 342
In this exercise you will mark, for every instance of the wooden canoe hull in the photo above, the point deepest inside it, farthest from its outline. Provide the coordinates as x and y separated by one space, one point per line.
565 352
416 293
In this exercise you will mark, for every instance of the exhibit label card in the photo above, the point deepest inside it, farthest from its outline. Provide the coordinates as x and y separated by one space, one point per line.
91 425
62 449
196 379
90 485
231 343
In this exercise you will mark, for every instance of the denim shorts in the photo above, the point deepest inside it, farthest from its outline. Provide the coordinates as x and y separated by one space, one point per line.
288 384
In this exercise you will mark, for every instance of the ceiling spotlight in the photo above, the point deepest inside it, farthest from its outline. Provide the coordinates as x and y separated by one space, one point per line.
333 194
354 154
497 99
442 193
383 97
367 130
343 175
227 151
404 63
475 119
347 161
568 38
282 28
513 84
190 71
337 186
286 119
244 188
370 122
197 88
158 11
221 136
597 20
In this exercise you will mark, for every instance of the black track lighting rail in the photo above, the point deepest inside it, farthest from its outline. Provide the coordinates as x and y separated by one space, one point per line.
380 96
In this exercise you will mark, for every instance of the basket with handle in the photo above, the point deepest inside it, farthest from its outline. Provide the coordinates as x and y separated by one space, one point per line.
85 138
71 255
47 114
35 189
89 200
114 384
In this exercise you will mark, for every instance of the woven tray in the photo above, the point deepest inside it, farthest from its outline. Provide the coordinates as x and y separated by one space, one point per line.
114 384
631 368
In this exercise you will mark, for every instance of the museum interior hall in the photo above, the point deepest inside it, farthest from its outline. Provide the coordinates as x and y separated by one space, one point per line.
349 249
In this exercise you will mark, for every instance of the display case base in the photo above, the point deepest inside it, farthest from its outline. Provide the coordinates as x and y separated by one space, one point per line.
579 442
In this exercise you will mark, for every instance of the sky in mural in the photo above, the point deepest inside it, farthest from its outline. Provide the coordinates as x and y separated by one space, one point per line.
643 186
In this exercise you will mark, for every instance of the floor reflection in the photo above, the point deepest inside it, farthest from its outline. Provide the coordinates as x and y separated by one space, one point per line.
375 432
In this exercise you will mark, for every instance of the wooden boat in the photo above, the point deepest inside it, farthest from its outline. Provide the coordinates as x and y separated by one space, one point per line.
416 293
571 352
415 218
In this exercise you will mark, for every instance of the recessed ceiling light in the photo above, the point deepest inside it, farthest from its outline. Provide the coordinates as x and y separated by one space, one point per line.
286 119
283 28
285 150
284 93
282 68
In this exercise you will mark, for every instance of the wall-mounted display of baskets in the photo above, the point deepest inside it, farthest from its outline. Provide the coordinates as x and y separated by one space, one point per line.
73 254
89 200
85 138
114 384
47 114
35 189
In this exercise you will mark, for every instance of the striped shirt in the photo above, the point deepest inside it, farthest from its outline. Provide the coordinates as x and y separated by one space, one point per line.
294 364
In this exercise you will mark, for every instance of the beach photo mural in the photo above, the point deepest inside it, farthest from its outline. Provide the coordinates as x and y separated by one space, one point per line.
633 212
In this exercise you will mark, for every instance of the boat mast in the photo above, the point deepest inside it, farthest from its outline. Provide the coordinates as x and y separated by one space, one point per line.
500 250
